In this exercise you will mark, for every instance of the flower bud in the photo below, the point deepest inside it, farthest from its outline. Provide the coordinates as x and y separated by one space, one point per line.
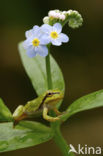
64 12
51 13
57 15
75 19
69 12
46 20
62 17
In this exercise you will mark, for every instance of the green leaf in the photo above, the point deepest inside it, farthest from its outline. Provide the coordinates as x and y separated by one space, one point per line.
36 70
5 114
87 102
26 134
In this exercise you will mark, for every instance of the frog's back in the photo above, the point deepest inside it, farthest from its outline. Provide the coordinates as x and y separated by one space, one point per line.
34 105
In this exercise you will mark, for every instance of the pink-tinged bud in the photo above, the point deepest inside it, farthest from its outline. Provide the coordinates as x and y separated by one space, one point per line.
57 15
51 13
62 17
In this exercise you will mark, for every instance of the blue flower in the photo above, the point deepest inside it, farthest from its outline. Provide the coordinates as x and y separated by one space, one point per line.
34 43
53 34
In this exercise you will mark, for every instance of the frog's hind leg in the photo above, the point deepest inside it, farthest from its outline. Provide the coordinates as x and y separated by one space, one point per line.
47 117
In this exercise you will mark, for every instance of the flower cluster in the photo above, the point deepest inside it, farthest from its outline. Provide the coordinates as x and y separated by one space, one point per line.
38 38
53 15
56 14
73 18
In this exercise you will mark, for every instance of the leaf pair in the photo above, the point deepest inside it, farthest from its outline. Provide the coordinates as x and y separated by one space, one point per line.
28 133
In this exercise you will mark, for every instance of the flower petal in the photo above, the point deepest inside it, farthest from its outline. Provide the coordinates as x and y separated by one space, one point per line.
36 27
27 42
31 52
46 28
33 32
36 30
57 27
28 33
44 39
42 50
56 42
63 37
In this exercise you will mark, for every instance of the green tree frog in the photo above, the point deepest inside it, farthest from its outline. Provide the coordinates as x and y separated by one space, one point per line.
43 104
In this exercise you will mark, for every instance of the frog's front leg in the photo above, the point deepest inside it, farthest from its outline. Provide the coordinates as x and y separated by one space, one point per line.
57 111
47 117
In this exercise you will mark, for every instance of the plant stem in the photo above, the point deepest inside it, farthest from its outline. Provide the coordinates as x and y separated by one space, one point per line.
60 141
58 138
48 70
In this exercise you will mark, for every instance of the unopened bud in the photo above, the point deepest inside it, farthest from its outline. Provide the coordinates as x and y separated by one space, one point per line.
46 20
62 17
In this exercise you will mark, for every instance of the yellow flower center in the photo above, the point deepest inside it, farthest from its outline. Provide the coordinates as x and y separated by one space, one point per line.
35 42
54 34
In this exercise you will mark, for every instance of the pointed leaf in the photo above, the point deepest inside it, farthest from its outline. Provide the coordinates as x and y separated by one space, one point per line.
36 70
87 102
5 114
26 134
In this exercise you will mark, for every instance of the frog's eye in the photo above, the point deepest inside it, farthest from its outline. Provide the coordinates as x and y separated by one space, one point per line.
49 94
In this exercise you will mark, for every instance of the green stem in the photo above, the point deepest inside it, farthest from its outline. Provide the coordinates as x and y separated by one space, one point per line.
48 70
60 141
58 138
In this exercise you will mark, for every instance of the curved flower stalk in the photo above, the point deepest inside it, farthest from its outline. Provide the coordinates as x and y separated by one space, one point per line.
72 17
75 19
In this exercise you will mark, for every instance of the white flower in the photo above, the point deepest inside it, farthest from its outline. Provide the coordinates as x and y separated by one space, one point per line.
53 34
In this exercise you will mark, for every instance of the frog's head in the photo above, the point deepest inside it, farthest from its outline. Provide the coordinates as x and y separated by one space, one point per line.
53 97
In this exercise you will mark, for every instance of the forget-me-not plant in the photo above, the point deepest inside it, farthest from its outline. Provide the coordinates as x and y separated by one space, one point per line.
45 76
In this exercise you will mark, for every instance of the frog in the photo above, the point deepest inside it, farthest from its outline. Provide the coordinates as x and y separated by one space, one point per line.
40 105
